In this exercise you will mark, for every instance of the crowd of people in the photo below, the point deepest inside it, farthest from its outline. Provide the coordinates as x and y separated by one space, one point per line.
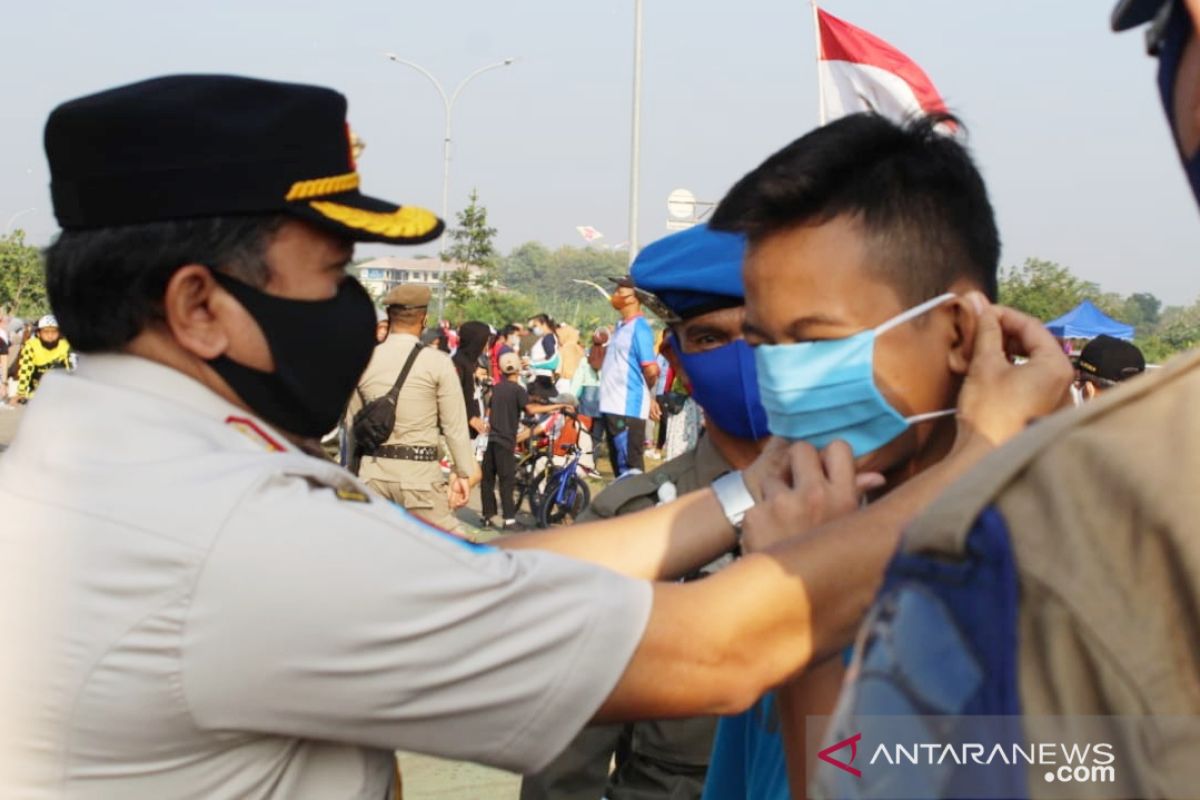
524 382
894 506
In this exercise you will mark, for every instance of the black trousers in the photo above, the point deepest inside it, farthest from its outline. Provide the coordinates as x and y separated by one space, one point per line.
666 760
499 461
635 445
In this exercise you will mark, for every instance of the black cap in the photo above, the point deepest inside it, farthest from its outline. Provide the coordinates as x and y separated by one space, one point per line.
187 146
1111 359
1131 13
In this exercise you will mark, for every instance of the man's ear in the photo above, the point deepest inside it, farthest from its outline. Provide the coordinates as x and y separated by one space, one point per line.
1193 7
964 323
196 311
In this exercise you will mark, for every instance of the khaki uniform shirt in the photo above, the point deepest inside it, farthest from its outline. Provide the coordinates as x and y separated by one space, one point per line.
694 470
685 743
429 407
1103 511
191 608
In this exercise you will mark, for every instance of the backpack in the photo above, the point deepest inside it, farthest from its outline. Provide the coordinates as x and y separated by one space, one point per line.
935 661
376 420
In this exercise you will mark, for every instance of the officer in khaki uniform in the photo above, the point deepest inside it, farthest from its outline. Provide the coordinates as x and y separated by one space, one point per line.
693 281
405 468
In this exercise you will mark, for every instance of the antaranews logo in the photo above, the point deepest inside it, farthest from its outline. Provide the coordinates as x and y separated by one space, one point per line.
826 755
1054 762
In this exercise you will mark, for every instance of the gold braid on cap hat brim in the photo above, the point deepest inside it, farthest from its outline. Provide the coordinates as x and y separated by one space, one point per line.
407 222
319 187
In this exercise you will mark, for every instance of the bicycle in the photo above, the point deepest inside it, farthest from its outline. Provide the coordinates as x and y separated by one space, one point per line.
533 469
566 493
555 494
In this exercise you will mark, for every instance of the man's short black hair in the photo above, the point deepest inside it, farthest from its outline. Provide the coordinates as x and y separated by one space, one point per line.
107 284
915 191
509 330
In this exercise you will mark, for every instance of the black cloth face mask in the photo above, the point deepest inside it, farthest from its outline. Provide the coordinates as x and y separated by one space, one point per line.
320 349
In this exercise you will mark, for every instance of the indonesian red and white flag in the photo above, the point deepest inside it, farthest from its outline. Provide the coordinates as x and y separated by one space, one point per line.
858 71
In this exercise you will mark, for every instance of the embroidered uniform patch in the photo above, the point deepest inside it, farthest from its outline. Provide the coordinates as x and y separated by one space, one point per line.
256 434
351 495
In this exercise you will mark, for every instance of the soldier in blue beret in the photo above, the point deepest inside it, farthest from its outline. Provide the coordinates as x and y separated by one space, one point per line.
693 281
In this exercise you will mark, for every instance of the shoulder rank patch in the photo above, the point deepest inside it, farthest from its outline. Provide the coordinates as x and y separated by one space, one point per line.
351 495
250 429
343 489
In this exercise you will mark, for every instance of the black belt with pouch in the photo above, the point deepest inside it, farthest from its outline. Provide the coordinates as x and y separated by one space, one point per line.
405 452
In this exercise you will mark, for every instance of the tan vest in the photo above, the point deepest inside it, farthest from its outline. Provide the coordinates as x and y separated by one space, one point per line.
1103 510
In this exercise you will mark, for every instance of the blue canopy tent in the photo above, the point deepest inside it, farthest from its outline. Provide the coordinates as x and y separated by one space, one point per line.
1085 321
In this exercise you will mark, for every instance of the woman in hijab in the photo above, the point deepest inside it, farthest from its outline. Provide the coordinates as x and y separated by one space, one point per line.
572 354
472 341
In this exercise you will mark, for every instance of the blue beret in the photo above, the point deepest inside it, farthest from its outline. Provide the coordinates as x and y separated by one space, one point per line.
694 271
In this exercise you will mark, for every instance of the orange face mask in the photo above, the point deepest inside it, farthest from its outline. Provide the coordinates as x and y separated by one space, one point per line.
619 301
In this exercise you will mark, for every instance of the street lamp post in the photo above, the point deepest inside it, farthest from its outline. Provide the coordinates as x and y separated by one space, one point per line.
448 103
636 148
12 220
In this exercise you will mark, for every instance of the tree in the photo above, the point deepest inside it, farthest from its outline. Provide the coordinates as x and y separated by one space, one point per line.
1179 327
1143 310
473 246
459 288
559 281
22 276
495 307
1044 289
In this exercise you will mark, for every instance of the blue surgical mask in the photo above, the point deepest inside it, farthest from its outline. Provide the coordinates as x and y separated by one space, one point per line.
725 384
1174 38
822 391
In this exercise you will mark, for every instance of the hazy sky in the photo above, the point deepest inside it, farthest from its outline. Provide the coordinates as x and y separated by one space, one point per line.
1063 115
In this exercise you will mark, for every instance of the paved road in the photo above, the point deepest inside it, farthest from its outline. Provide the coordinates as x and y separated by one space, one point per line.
9 417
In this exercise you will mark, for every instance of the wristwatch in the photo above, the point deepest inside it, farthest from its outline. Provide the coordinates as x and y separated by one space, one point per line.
734 497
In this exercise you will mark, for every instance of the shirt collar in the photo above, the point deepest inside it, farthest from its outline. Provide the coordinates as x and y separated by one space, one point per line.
143 376
710 464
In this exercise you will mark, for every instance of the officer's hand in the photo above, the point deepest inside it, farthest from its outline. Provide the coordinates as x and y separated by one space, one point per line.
458 492
815 488
999 398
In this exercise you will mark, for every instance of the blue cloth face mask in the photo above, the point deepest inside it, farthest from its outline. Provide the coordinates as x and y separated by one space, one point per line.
725 384
1170 34
822 391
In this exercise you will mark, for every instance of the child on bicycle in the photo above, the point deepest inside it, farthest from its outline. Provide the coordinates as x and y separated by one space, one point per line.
510 402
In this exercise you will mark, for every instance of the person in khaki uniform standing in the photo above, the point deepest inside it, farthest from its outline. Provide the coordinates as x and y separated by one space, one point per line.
405 468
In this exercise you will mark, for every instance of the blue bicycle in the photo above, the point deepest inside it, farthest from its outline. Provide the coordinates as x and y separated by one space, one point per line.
566 492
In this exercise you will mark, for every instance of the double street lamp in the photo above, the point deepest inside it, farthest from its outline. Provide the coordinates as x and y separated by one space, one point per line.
448 102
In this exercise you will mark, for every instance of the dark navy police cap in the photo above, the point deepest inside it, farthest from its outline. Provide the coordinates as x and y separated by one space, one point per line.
692 272
189 146
1131 13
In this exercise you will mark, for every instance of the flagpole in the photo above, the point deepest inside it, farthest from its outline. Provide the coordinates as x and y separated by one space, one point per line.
817 37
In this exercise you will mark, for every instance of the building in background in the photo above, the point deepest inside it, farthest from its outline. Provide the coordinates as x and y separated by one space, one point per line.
381 275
